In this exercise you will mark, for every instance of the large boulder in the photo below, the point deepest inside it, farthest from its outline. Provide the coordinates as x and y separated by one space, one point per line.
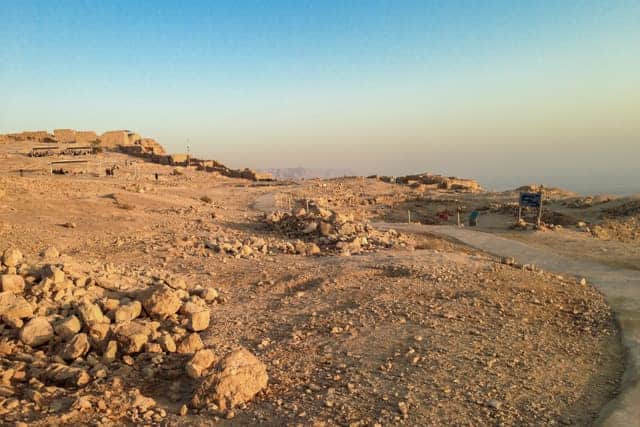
36 332
236 379
161 302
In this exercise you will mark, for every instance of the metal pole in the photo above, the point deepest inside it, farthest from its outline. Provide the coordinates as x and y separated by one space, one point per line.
519 214
540 211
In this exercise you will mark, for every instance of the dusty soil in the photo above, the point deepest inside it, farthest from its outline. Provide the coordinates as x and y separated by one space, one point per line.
419 331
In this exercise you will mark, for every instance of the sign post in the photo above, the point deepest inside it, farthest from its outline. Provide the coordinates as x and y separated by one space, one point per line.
531 200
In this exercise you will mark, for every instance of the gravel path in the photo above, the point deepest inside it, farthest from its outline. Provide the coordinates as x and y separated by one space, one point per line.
621 288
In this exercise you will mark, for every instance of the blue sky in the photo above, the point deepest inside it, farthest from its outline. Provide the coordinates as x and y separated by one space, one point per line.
472 88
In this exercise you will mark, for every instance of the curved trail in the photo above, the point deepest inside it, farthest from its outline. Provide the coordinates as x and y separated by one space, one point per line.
620 287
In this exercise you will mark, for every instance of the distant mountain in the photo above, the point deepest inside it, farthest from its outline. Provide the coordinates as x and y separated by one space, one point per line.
300 172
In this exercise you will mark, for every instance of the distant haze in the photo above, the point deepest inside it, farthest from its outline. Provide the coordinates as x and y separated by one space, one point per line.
508 93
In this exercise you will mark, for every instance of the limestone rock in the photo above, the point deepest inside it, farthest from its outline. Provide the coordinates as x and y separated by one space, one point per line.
133 335
78 346
128 312
197 314
209 294
50 252
91 313
11 257
201 361
167 343
14 308
65 376
190 344
12 283
237 378
36 332
68 328
161 302
110 353
198 321
99 331
55 274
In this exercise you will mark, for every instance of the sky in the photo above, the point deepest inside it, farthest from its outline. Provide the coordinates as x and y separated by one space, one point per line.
508 92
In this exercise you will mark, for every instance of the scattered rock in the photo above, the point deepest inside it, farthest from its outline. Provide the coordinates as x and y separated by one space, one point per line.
201 361
161 302
128 312
190 344
77 347
167 343
12 283
209 294
65 376
50 252
111 352
11 257
68 328
36 332
91 314
237 378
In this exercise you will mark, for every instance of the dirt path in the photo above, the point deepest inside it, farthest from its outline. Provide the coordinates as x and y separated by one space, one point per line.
621 288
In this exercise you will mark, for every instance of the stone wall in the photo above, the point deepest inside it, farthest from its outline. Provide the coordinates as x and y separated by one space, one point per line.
65 135
114 138
86 136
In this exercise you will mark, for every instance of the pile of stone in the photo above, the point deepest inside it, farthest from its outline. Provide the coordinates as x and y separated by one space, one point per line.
253 247
61 331
317 229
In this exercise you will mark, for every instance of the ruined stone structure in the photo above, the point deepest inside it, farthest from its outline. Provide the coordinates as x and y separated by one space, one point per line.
128 142
437 182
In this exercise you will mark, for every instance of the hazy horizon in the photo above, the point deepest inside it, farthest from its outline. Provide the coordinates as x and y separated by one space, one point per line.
504 92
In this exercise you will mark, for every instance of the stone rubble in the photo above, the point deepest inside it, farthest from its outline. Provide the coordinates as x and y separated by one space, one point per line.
66 333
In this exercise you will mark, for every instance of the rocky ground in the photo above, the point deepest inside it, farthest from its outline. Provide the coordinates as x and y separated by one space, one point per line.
198 299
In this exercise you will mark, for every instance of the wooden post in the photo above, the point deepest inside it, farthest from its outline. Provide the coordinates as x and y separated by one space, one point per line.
458 217
409 216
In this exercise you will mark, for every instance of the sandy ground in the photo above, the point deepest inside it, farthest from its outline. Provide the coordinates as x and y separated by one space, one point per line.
426 333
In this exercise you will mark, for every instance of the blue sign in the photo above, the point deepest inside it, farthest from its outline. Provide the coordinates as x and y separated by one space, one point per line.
531 200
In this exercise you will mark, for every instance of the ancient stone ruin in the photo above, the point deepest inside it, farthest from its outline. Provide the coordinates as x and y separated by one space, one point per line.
126 141
431 181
